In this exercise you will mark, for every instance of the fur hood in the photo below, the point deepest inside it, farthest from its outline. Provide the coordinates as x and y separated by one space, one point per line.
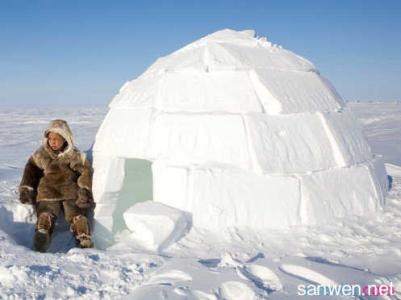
61 128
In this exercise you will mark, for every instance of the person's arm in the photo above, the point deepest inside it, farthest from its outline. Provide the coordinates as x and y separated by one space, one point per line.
86 174
85 197
30 181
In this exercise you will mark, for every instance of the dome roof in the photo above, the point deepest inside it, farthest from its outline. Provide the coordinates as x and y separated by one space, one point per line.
230 71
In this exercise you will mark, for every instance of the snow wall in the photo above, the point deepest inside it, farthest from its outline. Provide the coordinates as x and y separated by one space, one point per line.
238 132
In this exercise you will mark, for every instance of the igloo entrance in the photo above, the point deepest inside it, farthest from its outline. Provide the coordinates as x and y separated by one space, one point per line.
137 187
120 183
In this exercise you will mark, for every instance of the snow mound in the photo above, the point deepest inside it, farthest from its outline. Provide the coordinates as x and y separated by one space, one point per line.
239 132
155 226
236 290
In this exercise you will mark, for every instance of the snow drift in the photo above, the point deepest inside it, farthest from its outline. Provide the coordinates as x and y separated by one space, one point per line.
236 131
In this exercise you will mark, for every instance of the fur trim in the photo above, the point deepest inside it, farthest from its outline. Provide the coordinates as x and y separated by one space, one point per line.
52 199
29 188
32 175
83 157
83 186
61 128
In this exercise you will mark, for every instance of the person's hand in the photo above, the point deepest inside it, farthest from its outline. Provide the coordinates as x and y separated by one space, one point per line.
85 199
27 196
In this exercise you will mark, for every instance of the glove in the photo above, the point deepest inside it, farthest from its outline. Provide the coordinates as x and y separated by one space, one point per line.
85 199
27 195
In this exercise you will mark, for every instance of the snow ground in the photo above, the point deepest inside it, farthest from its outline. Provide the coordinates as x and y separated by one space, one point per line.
229 265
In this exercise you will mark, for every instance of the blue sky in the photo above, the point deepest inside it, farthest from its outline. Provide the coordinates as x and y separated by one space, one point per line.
81 52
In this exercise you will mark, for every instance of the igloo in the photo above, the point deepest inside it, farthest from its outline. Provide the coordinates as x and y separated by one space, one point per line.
239 132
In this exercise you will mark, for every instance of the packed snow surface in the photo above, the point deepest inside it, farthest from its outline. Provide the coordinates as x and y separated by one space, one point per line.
231 264
239 133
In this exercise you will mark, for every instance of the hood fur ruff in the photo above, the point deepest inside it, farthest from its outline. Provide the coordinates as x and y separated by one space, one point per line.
61 128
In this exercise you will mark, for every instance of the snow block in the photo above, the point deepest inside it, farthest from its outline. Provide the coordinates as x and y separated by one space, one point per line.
138 93
295 91
108 175
185 59
191 92
220 198
107 182
156 226
337 193
199 139
264 55
306 142
347 138
207 92
289 143
170 185
124 133
379 174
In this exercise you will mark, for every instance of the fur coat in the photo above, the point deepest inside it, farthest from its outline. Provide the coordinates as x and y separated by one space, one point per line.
57 176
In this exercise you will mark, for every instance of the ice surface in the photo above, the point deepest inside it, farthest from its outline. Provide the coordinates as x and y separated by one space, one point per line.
156 226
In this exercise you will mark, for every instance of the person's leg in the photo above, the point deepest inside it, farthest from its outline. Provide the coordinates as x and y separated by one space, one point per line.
46 213
79 224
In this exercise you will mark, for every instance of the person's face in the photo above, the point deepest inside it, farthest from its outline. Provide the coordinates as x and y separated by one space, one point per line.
55 141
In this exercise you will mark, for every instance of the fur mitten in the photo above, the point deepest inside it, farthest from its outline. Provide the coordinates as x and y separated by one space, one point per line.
27 195
85 199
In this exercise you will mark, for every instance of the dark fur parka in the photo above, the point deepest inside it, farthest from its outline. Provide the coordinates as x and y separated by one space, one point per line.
57 176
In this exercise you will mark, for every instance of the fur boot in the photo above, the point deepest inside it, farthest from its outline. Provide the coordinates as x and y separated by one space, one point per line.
80 228
44 228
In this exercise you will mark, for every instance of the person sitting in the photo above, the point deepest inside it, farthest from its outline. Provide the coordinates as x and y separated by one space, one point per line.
58 177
